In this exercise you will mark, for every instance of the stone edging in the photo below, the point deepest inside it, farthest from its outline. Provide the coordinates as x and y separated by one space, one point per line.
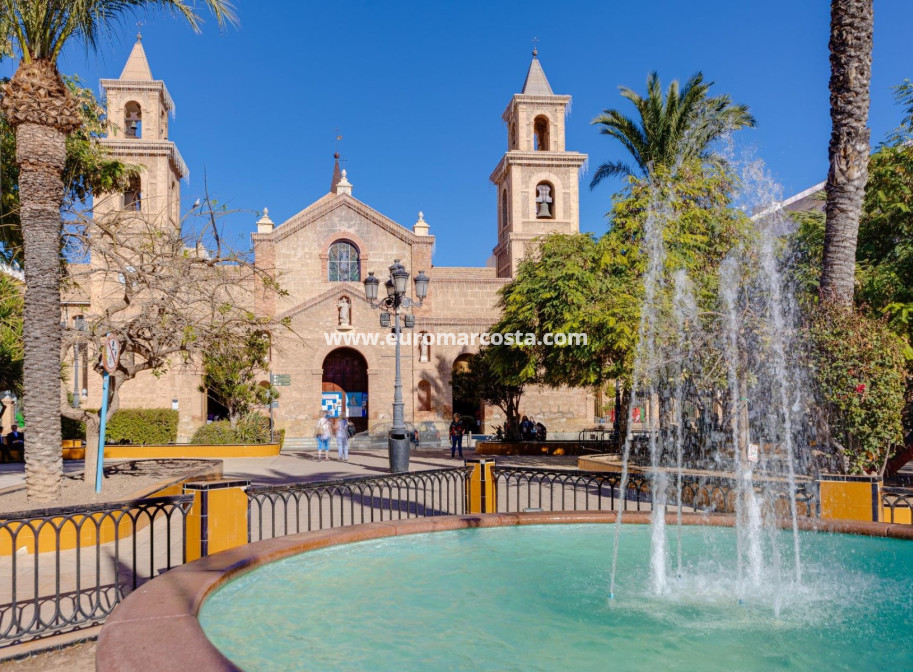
156 627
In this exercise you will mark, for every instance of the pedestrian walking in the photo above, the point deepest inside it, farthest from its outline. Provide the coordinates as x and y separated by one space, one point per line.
323 432
342 439
456 435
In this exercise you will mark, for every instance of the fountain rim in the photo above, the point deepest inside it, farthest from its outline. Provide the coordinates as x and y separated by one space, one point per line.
158 621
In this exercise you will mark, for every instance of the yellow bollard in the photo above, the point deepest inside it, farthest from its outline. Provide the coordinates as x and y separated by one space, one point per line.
850 497
218 518
480 487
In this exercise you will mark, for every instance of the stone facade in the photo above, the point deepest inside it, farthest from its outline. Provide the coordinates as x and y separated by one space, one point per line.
325 296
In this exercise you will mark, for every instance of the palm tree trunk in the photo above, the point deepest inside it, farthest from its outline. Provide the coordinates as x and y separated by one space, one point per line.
41 152
851 72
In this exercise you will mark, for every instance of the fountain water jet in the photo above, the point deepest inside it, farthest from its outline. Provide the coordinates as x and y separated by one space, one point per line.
752 328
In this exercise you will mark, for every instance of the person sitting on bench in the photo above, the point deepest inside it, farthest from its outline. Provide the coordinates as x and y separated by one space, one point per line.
15 440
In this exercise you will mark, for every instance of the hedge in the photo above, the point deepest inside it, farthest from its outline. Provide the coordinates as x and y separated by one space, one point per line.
142 427
253 429
72 430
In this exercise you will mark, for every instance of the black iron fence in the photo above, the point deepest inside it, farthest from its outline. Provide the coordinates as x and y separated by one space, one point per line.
275 511
525 488
63 569
67 568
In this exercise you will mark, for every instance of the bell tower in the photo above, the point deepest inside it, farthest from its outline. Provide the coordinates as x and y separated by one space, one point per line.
538 179
138 108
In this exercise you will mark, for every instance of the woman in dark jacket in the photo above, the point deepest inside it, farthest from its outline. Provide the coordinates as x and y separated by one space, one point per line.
456 436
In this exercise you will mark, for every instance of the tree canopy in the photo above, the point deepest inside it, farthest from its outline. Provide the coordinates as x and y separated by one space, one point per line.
583 284
678 127
231 372
89 169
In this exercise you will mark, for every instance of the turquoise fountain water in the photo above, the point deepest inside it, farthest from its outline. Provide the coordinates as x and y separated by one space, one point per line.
534 598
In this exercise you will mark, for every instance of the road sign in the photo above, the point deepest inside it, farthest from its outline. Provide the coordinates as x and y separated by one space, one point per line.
111 354
753 450
282 379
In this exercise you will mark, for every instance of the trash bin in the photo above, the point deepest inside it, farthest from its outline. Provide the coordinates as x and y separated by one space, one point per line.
398 446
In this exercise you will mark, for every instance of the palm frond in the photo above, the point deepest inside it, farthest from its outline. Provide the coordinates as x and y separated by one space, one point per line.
671 127
39 29
610 169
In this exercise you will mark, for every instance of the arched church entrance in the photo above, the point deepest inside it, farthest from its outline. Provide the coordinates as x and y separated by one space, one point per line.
464 402
345 386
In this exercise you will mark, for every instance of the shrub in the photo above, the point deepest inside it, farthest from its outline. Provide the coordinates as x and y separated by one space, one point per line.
252 429
219 433
142 427
72 429
859 370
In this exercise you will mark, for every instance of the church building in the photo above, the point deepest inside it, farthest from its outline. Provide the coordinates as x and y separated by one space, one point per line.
321 256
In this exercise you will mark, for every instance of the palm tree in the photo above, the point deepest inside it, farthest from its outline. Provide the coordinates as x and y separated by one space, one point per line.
851 73
681 127
40 107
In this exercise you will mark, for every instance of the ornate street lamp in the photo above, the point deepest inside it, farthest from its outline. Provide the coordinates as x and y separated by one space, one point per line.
398 303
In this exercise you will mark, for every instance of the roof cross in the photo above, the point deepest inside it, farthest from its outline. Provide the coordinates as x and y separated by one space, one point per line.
535 42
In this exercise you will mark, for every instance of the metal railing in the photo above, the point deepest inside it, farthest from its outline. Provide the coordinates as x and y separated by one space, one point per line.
66 568
898 505
524 488
275 511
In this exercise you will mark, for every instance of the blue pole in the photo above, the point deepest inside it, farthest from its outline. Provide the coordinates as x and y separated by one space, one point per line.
100 466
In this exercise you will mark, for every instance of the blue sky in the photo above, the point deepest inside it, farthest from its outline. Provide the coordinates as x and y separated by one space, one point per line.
417 90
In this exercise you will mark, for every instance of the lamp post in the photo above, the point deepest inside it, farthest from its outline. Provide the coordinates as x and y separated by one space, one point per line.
398 303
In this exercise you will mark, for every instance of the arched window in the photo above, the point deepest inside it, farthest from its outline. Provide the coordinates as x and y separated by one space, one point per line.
540 129
504 208
343 262
512 141
424 395
133 195
133 120
545 201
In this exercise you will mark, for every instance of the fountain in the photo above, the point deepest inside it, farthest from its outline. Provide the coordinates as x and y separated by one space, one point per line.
533 597
762 588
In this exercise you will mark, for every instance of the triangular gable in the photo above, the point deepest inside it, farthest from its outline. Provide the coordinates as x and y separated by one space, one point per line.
324 206
350 289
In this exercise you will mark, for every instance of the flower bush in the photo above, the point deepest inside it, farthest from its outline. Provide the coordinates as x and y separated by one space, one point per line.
859 367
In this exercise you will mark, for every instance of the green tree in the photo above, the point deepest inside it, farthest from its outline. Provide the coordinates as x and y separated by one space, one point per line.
859 367
230 373
496 387
884 255
581 284
43 111
681 126
10 333
89 169
852 23
883 298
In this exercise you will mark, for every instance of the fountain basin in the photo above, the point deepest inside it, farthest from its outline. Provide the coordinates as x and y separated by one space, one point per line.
159 622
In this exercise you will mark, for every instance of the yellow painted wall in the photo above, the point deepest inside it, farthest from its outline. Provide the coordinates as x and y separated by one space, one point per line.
227 521
177 451
847 500
901 514
476 487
